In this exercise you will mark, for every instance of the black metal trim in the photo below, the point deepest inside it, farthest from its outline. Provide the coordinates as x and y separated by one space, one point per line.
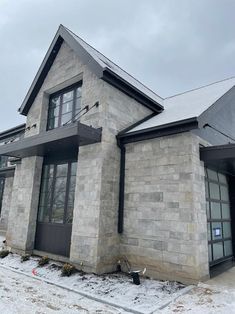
162 130
65 35
137 123
41 76
128 89
121 188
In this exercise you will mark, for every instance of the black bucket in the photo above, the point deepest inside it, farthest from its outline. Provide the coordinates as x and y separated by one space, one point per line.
136 278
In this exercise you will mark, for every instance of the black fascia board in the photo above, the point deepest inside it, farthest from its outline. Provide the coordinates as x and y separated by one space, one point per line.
158 131
116 81
41 75
217 152
68 137
61 36
12 132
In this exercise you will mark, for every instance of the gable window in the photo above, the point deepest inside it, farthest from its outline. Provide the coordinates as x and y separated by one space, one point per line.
64 106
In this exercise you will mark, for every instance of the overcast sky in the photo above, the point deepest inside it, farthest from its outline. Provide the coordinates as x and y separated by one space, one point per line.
170 45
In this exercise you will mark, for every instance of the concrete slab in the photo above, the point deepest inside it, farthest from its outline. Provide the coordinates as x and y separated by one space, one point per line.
225 280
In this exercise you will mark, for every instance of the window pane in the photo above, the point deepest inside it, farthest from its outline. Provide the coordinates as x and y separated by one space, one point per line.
78 105
66 118
224 193
62 170
43 214
222 178
225 211
216 231
58 208
209 252
209 232
215 210
207 189
214 191
79 91
208 210
73 169
212 175
67 107
68 96
53 123
55 101
227 229
217 250
228 250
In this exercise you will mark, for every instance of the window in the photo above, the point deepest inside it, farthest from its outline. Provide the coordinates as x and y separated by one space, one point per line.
3 161
64 106
218 217
57 193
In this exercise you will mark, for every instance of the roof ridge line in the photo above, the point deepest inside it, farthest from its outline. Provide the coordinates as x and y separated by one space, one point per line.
197 88
113 62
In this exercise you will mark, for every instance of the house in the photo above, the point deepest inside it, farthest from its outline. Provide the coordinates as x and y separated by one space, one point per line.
105 168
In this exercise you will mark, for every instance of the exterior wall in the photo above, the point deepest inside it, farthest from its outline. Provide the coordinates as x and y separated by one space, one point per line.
24 205
95 241
165 226
6 202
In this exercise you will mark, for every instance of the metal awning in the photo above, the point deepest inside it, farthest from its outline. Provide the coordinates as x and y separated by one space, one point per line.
220 158
68 137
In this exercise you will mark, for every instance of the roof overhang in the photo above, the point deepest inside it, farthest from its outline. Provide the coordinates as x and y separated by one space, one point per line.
66 138
104 73
158 131
220 158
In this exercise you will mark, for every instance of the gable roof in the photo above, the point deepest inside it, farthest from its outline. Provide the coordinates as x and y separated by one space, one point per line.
99 64
188 105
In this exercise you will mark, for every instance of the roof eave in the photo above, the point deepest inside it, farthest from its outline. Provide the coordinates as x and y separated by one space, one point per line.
159 131
112 78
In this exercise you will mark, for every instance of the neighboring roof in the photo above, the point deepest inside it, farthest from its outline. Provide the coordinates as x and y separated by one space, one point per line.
190 104
12 132
99 64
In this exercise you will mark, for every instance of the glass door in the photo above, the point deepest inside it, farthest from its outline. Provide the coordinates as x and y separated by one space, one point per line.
218 217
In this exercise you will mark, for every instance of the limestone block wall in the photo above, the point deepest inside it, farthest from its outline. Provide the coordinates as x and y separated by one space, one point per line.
165 212
6 202
24 204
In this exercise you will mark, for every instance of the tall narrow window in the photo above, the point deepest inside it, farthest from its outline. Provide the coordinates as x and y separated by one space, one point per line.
64 107
57 193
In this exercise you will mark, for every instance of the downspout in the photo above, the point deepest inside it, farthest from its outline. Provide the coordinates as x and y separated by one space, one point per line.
121 185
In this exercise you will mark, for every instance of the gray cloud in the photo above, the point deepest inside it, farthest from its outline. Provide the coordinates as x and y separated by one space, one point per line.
170 45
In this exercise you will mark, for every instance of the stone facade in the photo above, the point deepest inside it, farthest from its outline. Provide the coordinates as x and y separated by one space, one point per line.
165 210
164 214
95 241
6 203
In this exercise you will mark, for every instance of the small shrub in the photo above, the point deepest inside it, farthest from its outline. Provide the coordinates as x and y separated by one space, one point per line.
67 270
43 261
4 253
25 258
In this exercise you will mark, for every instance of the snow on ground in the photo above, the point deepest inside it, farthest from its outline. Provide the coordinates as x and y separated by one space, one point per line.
204 300
23 295
117 289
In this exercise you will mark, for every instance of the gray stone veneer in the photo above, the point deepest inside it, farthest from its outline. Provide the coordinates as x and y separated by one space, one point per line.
165 226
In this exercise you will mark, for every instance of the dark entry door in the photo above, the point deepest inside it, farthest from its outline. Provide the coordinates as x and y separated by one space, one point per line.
55 213
218 218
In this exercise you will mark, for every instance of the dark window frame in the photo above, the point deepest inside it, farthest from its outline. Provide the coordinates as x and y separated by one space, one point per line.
72 88
68 176
210 220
